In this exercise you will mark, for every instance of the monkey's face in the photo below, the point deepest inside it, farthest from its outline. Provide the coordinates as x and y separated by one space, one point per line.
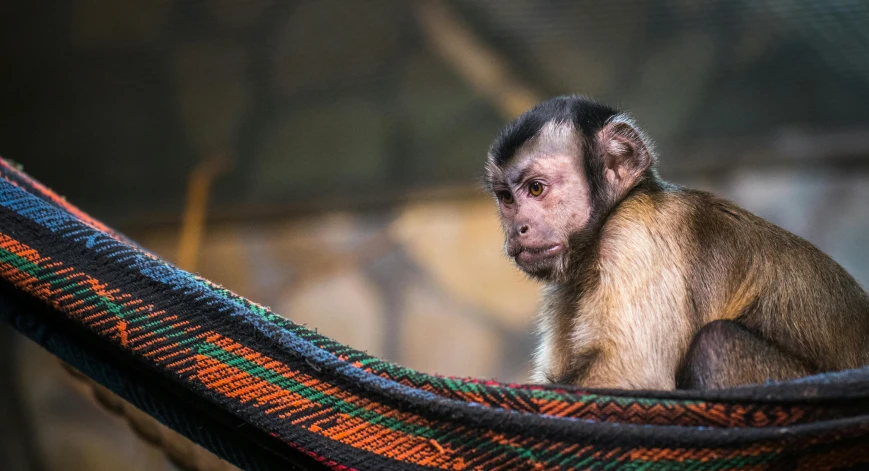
543 198
538 172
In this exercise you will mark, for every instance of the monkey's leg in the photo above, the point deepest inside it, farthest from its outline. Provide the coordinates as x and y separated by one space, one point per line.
725 354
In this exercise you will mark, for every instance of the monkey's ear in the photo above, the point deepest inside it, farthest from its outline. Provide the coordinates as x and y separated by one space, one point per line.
626 153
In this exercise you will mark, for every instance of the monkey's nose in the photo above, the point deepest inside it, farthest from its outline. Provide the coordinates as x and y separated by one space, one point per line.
523 229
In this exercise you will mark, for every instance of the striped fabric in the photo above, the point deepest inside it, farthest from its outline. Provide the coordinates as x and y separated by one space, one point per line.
265 393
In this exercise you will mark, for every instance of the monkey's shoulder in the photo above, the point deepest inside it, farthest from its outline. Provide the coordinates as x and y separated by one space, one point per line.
674 222
661 213
714 218
708 215
731 242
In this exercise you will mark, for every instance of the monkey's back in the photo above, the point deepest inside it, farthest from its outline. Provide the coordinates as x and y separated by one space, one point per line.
775 282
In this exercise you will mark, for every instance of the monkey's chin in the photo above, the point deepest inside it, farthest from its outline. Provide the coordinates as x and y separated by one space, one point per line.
543 268
545 274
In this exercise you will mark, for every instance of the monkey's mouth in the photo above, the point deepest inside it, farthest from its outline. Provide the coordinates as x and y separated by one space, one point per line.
531 255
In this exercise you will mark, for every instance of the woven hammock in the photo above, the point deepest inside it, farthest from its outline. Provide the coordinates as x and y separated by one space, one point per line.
265 393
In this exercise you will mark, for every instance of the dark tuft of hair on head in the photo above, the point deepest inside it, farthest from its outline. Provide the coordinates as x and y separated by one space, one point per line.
585 115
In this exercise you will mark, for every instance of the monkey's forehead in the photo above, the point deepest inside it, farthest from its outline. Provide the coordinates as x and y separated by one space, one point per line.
551 167
554 138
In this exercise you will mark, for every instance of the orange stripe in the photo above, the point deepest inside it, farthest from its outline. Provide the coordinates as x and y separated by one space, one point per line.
682 454
16 247
414 449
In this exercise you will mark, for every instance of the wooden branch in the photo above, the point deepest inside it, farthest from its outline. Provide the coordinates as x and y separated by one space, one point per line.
193 218
481 67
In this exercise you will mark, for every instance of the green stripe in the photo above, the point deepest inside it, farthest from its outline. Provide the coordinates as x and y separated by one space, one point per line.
40 274
311 394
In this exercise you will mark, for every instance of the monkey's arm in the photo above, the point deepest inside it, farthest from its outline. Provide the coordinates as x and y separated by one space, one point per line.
725 354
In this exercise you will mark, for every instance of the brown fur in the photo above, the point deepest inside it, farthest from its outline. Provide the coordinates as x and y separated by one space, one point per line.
664 286
671 261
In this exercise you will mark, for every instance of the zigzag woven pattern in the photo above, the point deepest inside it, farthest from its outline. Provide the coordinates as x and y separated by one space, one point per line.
352 411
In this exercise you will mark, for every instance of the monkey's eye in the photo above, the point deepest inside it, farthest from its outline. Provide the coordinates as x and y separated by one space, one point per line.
535 188
506 197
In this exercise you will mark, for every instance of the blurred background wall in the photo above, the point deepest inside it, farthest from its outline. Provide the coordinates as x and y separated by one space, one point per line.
337 146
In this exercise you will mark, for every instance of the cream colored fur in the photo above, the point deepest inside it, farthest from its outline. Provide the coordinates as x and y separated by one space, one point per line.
637 315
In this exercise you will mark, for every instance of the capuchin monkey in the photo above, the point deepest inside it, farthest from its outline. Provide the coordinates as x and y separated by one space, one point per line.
649 285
